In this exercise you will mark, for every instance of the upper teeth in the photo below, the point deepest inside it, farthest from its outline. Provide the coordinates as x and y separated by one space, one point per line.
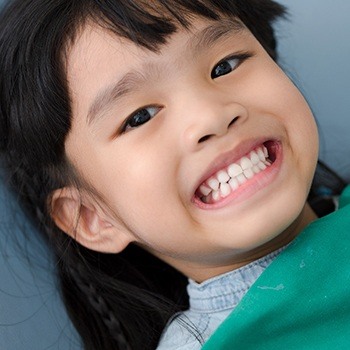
229 179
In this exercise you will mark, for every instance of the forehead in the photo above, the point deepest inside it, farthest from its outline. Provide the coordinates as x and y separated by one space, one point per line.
95 40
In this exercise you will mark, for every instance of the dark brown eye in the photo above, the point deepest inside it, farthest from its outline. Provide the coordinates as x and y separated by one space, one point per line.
222 69
228 65
140 117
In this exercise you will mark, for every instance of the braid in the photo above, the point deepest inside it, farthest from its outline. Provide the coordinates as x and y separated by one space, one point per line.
99 304
113 299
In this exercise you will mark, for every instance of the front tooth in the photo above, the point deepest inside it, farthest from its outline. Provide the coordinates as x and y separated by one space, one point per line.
204 190
225 189
249 174
216 195
222 176
254 158
234 170
245 163
213 184
261 154
234 184
241 179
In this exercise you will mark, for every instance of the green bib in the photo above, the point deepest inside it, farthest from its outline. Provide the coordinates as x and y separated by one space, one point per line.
302 300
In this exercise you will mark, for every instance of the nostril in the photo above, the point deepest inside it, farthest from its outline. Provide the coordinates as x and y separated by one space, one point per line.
233 121
204 138
207 137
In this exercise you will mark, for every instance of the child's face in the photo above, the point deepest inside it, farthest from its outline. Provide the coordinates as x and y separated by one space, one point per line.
192 118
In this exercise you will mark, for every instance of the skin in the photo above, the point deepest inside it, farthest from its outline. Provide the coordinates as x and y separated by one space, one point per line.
146 177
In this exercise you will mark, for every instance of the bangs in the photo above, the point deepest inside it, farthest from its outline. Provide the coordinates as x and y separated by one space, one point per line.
150 23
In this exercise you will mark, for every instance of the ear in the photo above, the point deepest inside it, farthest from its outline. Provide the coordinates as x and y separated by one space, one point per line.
81 218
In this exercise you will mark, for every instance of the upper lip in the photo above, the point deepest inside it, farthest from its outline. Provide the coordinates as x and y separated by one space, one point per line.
229 157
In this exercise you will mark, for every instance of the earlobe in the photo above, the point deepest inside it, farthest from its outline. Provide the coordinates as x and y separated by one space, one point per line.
84 221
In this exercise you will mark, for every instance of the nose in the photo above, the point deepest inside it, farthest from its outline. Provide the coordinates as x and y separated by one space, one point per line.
209 119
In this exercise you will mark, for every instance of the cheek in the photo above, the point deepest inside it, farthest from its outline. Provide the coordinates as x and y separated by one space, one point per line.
273 95
139 185
276 94
136 177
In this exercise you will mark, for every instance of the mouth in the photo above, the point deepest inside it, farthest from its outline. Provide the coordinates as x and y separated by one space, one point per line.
231 178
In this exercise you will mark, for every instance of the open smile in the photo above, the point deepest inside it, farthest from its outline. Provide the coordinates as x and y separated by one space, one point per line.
243 173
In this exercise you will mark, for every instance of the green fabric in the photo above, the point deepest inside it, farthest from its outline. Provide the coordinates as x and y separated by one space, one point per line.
302 300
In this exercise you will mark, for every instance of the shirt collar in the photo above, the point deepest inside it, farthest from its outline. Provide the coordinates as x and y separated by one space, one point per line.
226 291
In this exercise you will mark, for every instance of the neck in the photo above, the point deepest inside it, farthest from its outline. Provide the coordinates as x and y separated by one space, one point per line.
201 273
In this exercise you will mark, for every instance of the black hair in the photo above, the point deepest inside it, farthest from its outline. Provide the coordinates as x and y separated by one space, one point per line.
120 301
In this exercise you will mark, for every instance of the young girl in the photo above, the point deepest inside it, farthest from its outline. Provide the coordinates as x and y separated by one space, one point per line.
154 142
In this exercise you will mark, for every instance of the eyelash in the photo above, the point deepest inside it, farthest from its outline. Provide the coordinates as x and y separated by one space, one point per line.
139 118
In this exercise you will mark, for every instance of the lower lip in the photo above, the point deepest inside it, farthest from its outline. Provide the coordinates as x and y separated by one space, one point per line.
251 187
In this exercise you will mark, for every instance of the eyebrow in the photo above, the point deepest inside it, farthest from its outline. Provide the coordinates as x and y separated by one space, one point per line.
217 31
127 84
131 81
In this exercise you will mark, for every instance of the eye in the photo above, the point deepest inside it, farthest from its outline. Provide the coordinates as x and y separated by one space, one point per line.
229 64
140 117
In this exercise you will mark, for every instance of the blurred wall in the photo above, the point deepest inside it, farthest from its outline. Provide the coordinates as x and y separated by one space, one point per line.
315 51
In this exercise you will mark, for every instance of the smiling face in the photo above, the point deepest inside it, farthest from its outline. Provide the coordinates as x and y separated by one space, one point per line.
171 141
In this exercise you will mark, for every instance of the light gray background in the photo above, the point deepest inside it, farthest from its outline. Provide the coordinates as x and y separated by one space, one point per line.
315 51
